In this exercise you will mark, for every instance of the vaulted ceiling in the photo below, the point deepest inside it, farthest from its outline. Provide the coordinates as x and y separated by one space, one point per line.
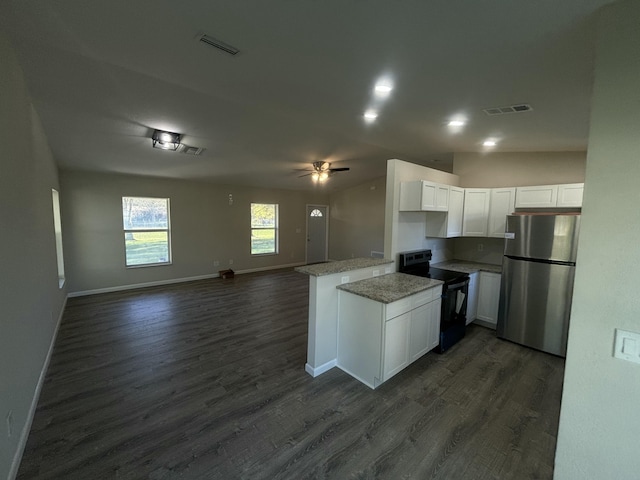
104 75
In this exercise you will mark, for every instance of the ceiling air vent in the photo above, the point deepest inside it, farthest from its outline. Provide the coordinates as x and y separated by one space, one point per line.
219 44
522 107
191 150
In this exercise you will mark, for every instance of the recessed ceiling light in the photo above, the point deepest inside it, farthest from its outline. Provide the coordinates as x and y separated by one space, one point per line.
489 143
457 123
383 89
370 115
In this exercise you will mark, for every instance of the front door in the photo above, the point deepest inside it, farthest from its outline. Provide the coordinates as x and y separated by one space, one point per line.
317 228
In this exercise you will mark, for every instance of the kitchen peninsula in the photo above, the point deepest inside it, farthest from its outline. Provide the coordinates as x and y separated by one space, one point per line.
322 347
386 323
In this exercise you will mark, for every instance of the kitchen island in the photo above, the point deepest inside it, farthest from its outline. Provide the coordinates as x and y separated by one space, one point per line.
385 324
322 346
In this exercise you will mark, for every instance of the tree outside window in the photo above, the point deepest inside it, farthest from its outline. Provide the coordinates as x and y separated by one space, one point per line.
146 231
264 229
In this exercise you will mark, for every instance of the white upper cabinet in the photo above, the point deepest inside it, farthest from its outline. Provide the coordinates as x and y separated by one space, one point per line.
550 196
476 212
537 197
421 195
570 195
503 203
447 224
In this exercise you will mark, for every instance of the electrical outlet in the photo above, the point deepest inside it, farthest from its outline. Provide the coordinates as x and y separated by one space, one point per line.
231 261
216 263
345 279
9 424
480 247
376 273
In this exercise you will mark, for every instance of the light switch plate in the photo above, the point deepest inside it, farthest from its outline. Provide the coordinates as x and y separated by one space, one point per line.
627 346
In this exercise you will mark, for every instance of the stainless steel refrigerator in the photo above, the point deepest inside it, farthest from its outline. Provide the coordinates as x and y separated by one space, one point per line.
537 280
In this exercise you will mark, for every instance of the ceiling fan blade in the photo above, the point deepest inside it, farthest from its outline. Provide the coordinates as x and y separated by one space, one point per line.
305 175
343 169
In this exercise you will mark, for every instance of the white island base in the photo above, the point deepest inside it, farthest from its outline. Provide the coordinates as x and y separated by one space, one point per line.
376 340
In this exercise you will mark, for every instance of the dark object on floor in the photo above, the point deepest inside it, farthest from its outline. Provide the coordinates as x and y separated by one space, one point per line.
226 273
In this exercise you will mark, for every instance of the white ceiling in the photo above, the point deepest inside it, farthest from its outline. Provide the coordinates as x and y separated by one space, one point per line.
103 75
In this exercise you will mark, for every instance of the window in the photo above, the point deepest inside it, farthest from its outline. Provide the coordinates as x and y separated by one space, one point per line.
57 228
264 228
146 231
315 213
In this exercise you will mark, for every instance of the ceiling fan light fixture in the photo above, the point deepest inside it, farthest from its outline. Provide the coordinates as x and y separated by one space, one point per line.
165 140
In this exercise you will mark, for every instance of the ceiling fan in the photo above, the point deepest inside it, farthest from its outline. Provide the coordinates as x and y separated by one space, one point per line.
322 171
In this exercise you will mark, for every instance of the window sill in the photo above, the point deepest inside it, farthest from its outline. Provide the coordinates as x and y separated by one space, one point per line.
264 254
163 264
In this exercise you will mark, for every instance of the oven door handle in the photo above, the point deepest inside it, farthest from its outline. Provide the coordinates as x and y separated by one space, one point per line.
456 286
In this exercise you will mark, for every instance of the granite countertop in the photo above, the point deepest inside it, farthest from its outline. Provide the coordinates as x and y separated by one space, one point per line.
389 288
340 266
465 266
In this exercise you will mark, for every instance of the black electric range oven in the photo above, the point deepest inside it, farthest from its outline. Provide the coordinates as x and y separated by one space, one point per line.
455 291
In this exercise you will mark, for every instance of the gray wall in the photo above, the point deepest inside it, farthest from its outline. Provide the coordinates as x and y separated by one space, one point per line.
30 298
204 228
517 169
599 420
357 220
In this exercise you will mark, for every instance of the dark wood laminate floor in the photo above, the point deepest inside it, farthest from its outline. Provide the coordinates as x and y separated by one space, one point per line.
206 380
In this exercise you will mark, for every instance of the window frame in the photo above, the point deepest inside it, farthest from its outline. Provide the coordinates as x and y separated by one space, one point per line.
148 230
275 229
57 230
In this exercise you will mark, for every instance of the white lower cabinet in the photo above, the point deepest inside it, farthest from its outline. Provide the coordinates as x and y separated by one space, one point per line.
488 298
396 351
424 332
472 299
377 340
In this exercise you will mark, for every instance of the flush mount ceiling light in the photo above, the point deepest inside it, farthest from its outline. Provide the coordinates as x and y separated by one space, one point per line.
165 140
489 143
457 123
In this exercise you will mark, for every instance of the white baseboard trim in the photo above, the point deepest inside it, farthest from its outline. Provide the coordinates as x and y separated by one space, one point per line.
133 286
264 269
314 372
24 435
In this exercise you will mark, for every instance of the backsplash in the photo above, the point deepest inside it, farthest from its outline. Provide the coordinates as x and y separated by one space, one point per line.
480 249
441 249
